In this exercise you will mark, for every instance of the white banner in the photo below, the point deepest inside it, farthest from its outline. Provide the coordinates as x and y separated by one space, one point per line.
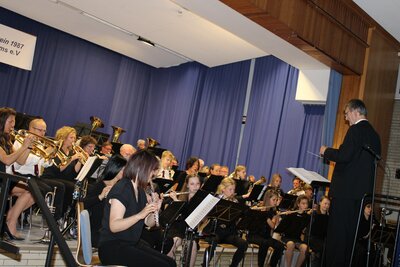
16 48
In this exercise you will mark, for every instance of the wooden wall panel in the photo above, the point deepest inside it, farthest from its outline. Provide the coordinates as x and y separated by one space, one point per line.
323 29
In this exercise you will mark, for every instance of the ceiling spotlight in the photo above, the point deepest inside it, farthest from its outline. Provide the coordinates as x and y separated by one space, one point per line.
145 41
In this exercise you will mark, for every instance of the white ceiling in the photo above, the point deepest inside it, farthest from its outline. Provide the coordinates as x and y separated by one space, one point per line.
205 31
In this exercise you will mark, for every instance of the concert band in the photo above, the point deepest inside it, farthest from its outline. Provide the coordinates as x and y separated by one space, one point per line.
120 206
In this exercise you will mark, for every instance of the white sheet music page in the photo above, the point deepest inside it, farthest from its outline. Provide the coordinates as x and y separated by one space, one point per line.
201 211
308 176
85 169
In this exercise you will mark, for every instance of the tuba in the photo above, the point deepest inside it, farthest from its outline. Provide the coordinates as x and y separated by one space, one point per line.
117 131
42 147
96 122
152 142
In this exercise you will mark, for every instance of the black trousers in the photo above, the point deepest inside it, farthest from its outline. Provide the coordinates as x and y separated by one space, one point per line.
264 244
117 252
232 239
341 231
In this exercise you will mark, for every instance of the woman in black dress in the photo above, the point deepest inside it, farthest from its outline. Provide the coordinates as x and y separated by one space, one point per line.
126 211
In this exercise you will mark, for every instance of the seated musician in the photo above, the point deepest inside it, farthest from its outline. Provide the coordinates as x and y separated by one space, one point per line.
319 228
297 189
126 211
263 236
106 149
126 150
96 195
34 165
240 174
192 168
178 228
141 144
291 229
7 157
165 170
275 184
363 233
226 233
224 171
67 171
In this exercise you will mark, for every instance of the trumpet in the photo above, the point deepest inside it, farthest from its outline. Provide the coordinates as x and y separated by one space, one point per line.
49 198
78 149
42 147
178 194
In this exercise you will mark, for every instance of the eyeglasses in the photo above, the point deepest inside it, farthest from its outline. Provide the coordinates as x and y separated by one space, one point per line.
40 130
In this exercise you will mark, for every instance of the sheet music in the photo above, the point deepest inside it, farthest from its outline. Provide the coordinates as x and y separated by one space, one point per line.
201 211
85 169
308 176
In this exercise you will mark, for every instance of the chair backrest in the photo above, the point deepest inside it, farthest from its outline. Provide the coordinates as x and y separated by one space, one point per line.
86 236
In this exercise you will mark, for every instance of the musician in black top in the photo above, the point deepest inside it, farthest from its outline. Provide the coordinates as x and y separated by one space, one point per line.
291 229
262 236
126 211
352 177
96 196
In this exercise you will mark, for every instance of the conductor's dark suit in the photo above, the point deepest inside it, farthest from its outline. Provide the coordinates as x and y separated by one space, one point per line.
353 177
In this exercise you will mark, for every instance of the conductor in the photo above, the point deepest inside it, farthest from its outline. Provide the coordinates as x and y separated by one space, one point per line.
353 177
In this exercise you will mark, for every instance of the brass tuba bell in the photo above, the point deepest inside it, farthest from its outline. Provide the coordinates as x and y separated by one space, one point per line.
152 142
117 131
96 122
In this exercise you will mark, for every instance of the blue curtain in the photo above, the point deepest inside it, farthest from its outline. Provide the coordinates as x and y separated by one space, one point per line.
218 115
190 109
277 125
70 78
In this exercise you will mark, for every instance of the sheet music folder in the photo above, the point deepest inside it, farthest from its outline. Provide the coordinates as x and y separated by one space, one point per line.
256 193
310 177
198 207
253 221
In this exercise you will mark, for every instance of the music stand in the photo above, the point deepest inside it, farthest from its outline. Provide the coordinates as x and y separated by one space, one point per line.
169 216
163 184
242 187
287 202
211 184
256 193
156 151
253 220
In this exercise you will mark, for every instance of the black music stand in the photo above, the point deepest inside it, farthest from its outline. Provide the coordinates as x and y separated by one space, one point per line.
169 216
242 187
211 184
253 221
163 184
256 193
287 201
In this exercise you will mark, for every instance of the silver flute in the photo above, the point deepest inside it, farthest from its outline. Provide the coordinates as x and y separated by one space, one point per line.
153 200
178 194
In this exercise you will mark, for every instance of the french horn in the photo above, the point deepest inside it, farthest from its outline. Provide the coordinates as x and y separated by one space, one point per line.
117 131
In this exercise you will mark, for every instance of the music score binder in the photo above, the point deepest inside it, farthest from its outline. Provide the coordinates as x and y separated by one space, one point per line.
309 177
172 212
253 221
242 187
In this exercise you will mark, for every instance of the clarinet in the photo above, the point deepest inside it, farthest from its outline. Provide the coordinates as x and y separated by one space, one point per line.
151 192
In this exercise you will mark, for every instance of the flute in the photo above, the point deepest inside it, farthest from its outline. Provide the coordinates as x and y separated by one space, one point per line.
292 211
153 200
178 194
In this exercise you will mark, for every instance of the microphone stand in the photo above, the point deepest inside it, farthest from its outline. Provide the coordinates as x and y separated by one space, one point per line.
376 158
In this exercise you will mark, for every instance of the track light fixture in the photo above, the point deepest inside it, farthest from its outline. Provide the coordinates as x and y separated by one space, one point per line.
145 41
